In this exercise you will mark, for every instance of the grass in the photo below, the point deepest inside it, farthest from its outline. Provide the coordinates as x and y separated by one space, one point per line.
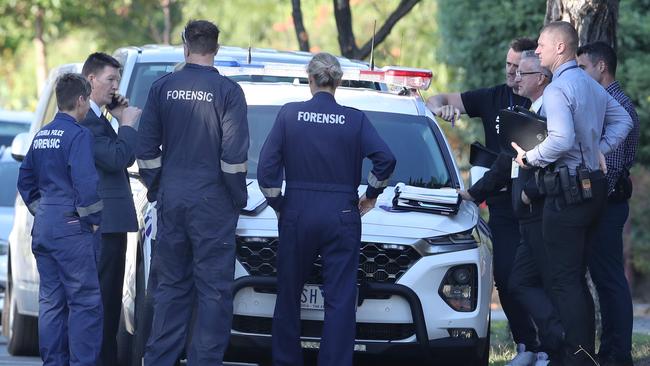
502 348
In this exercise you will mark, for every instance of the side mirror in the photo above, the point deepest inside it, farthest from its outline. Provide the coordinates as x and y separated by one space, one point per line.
20 146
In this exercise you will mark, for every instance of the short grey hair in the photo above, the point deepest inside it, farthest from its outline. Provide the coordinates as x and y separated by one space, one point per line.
530 54
325 70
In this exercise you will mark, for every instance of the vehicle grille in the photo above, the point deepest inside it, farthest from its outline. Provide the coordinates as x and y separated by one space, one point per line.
314 328
376 264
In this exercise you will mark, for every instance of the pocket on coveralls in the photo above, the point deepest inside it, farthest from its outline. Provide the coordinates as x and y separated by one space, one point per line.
351 223
69 227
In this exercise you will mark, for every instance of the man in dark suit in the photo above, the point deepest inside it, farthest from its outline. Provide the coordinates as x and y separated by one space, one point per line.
114 152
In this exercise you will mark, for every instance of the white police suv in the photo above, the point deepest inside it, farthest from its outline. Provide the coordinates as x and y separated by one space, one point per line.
425 279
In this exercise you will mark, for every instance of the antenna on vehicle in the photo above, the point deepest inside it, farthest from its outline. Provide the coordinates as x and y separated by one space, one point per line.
372 46
250 41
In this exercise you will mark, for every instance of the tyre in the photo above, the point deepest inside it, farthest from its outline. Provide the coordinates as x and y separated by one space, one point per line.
21 330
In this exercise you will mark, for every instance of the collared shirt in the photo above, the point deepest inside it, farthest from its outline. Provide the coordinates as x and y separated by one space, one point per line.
95 108
623 156
537 104
578 109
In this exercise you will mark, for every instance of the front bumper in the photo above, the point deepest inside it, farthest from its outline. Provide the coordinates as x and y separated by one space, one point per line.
254 331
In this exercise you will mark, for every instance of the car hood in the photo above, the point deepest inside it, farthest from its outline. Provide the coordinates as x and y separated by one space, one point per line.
6 221
379 224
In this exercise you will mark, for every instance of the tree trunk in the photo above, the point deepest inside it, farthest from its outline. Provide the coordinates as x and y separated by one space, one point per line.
343 17
301 33
41 52
166 36
595 20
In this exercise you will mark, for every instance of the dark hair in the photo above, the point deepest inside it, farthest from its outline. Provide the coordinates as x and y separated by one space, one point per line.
569 33
68 88
201 37
523 44
96 62
600 51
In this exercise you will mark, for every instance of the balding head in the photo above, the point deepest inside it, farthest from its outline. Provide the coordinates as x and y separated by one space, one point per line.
563 32
557 44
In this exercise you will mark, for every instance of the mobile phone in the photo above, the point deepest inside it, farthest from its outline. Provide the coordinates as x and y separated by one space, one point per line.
115 101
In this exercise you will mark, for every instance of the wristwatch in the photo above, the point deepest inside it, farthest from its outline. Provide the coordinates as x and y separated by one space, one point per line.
524 160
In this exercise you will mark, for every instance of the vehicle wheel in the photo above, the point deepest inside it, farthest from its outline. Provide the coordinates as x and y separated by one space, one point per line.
143 312
21 330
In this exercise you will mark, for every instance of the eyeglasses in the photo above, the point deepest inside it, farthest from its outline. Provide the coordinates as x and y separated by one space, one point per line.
183 36
520 74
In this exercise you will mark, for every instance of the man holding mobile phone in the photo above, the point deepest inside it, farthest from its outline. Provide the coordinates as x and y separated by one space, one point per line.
114 152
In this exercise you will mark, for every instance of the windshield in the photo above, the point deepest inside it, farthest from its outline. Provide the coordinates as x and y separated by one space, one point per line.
8 181
410 138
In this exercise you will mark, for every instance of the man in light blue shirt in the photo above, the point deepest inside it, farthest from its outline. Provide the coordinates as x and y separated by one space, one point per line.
578 110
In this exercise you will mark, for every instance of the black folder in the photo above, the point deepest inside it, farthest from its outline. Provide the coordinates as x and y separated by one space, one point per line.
526 128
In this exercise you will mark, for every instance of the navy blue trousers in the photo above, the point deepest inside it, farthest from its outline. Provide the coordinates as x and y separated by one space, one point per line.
70 308
316 223
505 241
608 273
195 263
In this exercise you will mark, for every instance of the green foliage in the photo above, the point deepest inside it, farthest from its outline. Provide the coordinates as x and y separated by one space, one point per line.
639 214
634 64
475 36
132 22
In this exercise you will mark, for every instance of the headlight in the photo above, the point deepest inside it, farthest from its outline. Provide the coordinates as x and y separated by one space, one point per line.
459 287
469 237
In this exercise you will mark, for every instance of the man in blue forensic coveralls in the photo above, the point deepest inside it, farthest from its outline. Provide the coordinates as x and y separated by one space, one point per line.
58 183
319 146
114 152
199 182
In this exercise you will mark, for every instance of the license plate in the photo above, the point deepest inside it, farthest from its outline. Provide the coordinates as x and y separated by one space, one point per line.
312 298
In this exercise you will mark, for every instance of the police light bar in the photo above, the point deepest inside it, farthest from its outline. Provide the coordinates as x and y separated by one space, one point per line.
408 77
397 76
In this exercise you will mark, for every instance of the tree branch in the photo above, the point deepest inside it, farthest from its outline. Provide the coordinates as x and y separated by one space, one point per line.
402 9
301 33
